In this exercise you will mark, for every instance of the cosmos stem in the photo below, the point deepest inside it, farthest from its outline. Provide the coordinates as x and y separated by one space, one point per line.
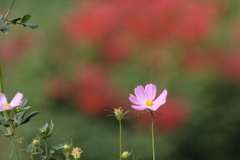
120 140
153 147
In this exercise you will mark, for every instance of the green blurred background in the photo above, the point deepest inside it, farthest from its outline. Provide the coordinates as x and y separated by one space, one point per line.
88 56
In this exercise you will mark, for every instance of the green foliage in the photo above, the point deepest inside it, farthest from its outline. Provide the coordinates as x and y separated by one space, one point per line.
25 18
20 118
4 28
4 22
3 121
46 130
14 20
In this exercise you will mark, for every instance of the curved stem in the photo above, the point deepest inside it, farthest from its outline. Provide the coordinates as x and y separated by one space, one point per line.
120 140
153 147
9 11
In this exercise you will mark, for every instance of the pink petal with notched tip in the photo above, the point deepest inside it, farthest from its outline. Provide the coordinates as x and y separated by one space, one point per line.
140 93
136 100
151 91
160 100
17 100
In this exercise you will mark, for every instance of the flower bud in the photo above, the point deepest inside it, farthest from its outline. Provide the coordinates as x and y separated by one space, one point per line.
76 153
35 142
66 147
118 112
125 154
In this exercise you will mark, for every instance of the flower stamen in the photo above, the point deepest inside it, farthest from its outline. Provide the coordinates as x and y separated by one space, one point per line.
7 105
149 103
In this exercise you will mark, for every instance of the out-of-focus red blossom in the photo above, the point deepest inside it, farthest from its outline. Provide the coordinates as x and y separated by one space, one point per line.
11 49
200 59
117 49
162 22
229 66
174 114
235 32
92 20
175 20
56 87
94 92
196 21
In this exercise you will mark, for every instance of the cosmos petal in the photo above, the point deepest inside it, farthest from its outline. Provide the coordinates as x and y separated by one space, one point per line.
17 100
160 100
135 100
151 91
3 99
138 107
140 93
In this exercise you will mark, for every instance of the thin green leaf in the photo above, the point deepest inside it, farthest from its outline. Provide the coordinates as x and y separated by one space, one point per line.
33 26
18 118
28 117
14 20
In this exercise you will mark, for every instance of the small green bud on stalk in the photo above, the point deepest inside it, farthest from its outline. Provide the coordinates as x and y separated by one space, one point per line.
66 147
126 154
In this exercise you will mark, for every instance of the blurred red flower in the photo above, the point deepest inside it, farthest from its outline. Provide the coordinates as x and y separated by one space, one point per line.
174 114
12 48
229 66
175 20
57 87
94 93
197 59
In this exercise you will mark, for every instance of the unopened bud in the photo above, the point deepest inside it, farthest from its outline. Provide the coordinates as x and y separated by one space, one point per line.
66 147
118 113
76 153
35 142
125 154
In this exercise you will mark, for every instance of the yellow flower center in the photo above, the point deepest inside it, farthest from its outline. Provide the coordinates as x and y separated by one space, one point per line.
149 103
7 105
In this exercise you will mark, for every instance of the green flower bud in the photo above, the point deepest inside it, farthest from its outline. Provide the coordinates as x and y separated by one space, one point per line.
126 154
66 147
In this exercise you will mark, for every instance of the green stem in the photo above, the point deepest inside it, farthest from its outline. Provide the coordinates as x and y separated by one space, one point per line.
153 148
6 115
9 11
120 140
1 83
46 148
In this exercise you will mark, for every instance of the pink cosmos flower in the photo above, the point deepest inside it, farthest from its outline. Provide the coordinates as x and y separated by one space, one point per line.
16 101
145 98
